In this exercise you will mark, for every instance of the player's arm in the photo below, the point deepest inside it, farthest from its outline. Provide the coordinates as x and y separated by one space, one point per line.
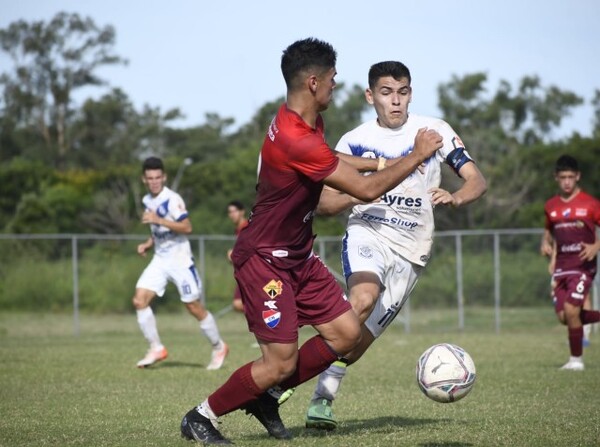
145 246
547 243
552 262
589 251
183 226
347 179
333 202
473 187
362 164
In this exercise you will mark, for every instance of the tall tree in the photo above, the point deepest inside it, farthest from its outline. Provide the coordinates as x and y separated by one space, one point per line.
498 129
50 61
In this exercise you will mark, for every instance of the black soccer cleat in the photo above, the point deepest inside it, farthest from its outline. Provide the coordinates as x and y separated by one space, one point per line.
195 427
266 409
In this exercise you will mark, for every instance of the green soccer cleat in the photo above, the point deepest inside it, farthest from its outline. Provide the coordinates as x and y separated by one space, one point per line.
320 415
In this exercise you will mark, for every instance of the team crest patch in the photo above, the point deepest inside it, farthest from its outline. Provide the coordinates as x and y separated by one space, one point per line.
273 288
271 317
365 251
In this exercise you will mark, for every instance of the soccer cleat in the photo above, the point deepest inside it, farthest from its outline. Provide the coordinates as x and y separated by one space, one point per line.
153 356
218 357
266 409
195 427
320 415
585 343
573 366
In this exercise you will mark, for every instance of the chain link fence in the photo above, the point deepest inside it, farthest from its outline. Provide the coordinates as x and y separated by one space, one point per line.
88 272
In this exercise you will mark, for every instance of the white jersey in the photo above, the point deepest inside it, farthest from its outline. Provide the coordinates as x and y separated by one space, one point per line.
404 216
170 206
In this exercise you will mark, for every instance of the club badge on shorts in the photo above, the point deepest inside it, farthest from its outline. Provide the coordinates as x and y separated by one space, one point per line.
271 317
273 288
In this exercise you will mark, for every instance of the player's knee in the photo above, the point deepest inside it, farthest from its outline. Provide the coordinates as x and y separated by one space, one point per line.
572 315
561 317
138 302
280 370
197 310
363 303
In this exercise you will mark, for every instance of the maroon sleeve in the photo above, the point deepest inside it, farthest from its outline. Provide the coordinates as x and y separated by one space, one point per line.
313 158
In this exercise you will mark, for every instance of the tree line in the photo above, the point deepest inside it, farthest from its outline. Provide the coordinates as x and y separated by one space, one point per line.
69 167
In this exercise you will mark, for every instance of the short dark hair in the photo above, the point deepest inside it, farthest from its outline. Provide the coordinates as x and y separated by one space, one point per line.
237 204
152 163
395 69
566 163
303 55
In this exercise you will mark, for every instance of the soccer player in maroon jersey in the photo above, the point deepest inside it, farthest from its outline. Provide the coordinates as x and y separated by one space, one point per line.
284 285
237 214
571 220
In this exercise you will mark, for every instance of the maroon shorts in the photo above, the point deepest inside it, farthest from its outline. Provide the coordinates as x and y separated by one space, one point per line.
277 302
571 288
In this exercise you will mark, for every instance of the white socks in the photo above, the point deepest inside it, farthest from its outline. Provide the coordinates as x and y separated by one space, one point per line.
209 328
147 322
205 410
330 380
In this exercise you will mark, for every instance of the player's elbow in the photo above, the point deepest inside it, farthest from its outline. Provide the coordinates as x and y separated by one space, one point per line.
482 186
323 209
366 195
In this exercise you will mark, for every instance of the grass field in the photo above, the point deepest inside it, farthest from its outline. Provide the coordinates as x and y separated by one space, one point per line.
61 390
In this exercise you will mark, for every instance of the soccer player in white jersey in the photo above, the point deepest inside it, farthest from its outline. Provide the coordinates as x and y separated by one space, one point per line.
388 242
166 214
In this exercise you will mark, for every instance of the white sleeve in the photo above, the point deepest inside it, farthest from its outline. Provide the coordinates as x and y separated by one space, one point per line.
343 146
177 208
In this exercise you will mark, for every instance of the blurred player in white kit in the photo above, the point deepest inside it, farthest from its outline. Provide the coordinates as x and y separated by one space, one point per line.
166 214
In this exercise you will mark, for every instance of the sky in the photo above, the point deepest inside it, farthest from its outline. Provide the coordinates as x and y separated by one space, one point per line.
223 57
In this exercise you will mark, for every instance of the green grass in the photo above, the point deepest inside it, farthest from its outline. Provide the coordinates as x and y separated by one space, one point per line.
61 390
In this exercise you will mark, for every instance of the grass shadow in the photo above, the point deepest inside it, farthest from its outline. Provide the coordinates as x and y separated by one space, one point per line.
177 364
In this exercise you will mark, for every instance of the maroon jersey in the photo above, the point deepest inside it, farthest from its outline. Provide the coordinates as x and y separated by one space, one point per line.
572 223
294 160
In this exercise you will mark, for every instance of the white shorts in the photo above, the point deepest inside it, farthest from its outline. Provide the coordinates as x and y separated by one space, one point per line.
181 271
364 251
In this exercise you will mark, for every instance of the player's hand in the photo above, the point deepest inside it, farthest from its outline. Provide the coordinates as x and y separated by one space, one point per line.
141 249
150 217
546 249
588 251
229 252
440 196
427 142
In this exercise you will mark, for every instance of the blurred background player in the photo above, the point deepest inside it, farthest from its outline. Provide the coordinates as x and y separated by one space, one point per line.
388 242
237 215
571 220
284 284
166 214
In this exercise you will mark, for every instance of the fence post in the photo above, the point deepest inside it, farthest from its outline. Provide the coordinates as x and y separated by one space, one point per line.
75 267
321 249
202 256
497 280
459 282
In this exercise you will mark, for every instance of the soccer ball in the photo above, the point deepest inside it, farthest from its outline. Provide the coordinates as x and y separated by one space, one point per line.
445 373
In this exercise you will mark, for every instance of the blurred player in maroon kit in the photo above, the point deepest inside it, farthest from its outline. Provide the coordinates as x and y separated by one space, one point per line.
284 285
237 214
571 220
